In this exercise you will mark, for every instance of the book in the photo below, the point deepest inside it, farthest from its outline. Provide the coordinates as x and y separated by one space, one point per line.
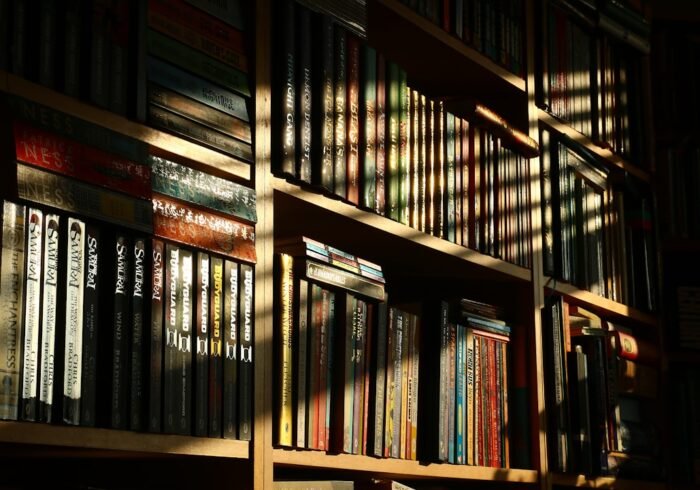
32 321
202 297
286 319
393 114
137 359
339 112
230 340
94 270
246 341
121 304
332 276
324 100
159 261
286 91
368 116
352 111
74 283
305 95
216 351
301 340
172 292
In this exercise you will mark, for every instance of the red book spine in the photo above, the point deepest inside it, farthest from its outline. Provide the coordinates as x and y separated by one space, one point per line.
52 152
323 371
179 222
446 16
466 183
315 388
494 429
353 114
207 26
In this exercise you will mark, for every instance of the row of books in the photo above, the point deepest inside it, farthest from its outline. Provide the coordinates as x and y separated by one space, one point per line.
681 200
88 345
495 29
358 375
349 124
593 80
597 232
601 388
181 66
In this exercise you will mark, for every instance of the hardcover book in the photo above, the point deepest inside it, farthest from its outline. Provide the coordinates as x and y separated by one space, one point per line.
91 320
137 371
216 332
158 300
231 345
201 351
246 343
121 302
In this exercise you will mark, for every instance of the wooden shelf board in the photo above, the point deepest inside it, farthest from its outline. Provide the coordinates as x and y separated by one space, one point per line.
611 158
441 64
601 305
397 467
607 482
118 440
209 159
357 225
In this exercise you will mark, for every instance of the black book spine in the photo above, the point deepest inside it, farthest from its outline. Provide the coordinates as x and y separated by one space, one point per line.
286 90
48 42
201 383
155 393
322 124
172 296
215 347
91 308
230 340
339 115
304 92
120 332
184 346
73 32
138 313
246 310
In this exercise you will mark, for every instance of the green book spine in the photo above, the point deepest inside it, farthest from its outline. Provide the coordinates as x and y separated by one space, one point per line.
393 141
368 117
404 150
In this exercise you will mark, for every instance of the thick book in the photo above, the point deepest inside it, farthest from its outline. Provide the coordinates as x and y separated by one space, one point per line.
177 221
285 90
286 351
368 132
324 102
32 307
246 343
137 356
304 95
121 290
340 114
340 278
202 297
91 320
202 189
216 332
50 304
75 284
156 344
230 340
12 301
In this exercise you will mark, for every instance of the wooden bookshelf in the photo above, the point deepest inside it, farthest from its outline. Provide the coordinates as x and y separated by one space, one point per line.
209 160
430 56
399 468
118 440
603 306
613 160
581 481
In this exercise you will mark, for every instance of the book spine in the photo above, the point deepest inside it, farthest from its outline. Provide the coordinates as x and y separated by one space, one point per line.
347 391
201 113
404 149
158 300
75 262
99 54
325 101
470 373
330 360
195 61
459 396
368 116
287 88
381 156
246 309
173 298
47 150
91 321
48 40
32 308
393 140
414 161
305 95
199 133
314 373
405 370
459 186
212 232
352 111
340 278
380 379
66 194
439 228
324 372
367 408
216 319
197 187
286 296
398 357
450 176
121 314
302 337
197 88
390 393
185 340
72 33
430 168
422 162
415 367
230 341
451 391
340 114
137 372
119 56
358 399
201 352
159 20
49 305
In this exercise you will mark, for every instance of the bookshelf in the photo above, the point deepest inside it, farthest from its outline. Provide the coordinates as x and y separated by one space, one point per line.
287 208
